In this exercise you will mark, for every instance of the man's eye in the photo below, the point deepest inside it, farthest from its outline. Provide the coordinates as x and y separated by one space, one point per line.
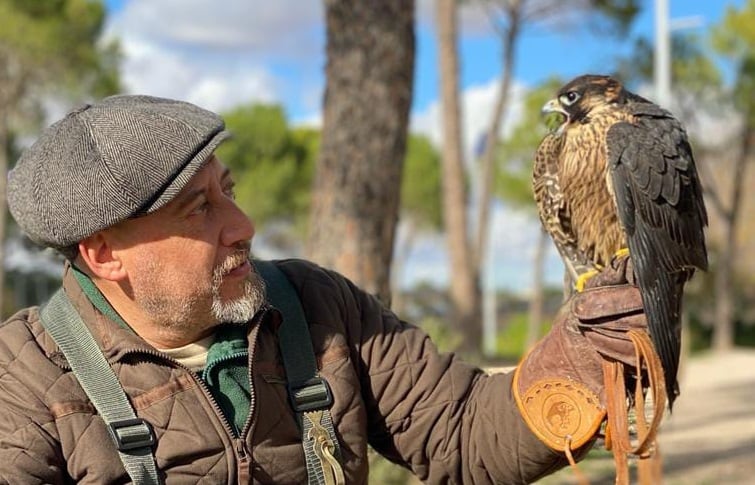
201 208
230 192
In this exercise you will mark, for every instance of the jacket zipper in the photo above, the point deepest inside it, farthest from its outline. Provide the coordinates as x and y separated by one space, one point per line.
245 462
215 406
239 446
244 458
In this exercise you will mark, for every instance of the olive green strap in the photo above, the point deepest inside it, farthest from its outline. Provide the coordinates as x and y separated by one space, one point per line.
308 392
133 437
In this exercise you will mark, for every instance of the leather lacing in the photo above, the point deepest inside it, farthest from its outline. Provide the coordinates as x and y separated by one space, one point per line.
617 432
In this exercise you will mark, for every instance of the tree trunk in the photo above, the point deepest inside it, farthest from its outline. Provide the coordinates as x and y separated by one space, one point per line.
724 325
464 276
4 151
404 246
355 201
487 168
723 328
537 299
11 90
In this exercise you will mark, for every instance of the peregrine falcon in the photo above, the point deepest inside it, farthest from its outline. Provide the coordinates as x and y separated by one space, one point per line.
619 174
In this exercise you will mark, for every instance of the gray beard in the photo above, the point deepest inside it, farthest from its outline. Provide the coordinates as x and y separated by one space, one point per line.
241 309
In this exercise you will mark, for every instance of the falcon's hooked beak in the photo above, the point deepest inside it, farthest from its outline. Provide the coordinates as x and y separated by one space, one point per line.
554 106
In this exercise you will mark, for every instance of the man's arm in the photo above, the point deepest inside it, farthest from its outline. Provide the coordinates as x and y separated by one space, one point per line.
442 418
449 422
29 450
28 453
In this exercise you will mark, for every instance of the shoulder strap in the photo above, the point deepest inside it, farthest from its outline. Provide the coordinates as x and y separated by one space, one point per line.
308 392
133 436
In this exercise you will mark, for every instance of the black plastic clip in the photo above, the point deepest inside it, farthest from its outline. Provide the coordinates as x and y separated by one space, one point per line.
131 433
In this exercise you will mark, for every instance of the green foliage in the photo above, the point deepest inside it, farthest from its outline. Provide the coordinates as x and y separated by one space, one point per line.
692 67
56 45
618 14
442 334
273 165
421 183
735 36
735 39
514 175
512 338
384 472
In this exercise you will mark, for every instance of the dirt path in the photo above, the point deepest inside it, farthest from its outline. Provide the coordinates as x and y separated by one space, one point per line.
710 437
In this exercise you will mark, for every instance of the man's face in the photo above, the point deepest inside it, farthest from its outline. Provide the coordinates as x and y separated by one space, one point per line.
188 262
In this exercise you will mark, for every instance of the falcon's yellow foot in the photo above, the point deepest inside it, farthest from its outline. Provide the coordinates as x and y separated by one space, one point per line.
621 253
583 278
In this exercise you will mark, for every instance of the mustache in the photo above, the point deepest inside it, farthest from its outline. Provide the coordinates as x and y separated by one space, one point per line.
239 256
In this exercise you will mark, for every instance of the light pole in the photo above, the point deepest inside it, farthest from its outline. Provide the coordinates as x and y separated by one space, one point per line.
662 56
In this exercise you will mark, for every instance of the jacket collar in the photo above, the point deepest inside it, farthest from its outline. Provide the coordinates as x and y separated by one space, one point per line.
114 337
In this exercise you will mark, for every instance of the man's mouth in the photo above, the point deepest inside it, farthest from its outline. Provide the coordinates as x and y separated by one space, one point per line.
240 270
237 264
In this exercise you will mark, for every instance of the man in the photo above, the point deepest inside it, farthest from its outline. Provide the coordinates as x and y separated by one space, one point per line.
130 191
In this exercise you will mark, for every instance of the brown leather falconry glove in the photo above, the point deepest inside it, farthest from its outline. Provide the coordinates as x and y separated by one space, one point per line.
562 386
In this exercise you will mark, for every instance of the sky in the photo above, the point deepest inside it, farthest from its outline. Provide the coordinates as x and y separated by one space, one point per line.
274 52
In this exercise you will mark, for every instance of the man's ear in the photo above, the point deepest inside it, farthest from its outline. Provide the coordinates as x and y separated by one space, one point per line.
97 253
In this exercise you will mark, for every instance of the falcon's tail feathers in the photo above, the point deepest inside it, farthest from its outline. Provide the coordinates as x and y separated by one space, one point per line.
662 299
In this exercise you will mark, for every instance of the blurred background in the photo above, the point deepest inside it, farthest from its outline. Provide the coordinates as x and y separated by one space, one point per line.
392 140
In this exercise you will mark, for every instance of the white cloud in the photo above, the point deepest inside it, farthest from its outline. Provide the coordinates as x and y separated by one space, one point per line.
282 27
472 18
221 57
513 234
513 237
477 110
151 69
312 120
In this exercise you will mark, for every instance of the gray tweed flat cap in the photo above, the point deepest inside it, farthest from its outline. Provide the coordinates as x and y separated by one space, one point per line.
106 162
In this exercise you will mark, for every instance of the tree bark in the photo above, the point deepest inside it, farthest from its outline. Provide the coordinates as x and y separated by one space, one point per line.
355 201
537 299
12 84
487 168
4 151
403 249
464 276
724 326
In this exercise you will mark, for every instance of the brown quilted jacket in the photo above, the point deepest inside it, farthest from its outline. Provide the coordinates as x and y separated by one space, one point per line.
444 419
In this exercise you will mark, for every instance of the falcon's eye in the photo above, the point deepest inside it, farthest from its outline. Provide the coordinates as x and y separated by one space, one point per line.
569 98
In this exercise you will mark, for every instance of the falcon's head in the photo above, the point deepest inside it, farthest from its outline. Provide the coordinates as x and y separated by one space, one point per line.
582 96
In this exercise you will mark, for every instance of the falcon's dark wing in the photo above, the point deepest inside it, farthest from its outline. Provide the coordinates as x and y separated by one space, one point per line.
660 205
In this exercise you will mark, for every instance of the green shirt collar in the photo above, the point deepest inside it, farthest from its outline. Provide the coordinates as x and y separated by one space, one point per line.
97 298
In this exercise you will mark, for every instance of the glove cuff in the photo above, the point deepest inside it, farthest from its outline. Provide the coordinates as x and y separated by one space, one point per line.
562 413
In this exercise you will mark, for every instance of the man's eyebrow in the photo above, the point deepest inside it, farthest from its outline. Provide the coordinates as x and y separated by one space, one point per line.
192 194
189 197
226 176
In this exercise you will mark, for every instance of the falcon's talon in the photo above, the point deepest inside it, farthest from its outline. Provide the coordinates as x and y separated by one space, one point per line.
621 253
583 278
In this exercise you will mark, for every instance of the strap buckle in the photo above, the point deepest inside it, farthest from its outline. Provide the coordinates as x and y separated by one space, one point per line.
310 395
129 434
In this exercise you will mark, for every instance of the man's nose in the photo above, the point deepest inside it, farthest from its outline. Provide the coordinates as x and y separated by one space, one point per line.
237 226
